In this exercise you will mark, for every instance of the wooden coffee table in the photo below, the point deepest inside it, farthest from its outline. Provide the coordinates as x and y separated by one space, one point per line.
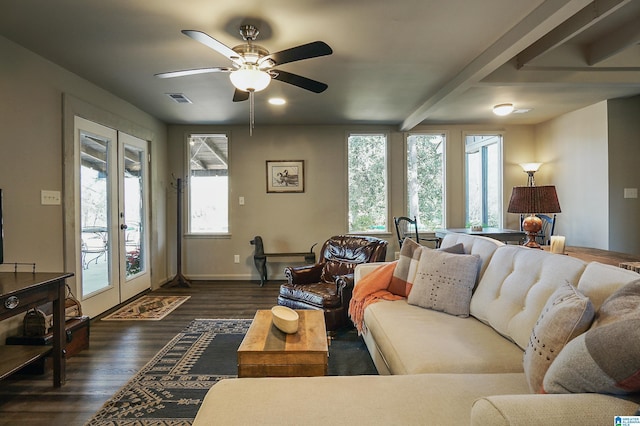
268 352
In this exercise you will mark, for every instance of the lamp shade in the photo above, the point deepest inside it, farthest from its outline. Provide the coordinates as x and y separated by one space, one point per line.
250 78
534 199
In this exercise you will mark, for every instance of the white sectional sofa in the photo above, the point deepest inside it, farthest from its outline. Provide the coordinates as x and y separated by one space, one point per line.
437 368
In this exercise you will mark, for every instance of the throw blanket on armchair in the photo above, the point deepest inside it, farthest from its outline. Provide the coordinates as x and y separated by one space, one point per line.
370 289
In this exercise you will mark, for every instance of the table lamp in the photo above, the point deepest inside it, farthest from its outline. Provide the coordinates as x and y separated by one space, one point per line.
530 200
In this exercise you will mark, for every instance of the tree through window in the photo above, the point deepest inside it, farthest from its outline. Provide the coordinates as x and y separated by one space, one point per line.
425 179
367 170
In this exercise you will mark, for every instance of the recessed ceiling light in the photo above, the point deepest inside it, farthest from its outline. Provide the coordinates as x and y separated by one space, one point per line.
277 101
522 110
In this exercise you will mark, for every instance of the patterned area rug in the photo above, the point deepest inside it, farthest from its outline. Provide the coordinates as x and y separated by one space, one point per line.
147 308
171 387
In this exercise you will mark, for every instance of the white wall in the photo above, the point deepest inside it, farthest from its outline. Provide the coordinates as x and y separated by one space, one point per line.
294 221
574 151
31 158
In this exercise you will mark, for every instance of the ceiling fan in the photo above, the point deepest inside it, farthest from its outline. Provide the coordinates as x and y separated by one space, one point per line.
252 66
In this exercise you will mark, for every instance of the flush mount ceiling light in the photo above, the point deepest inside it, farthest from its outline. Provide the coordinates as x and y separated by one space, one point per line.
503 109
277 101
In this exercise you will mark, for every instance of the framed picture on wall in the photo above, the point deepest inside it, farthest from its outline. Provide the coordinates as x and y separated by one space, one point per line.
285 176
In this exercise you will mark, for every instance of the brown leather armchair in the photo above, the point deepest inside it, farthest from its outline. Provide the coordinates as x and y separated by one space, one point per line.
328 284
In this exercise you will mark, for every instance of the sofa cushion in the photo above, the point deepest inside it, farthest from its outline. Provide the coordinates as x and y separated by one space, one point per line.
437 399
444 282
605 358
549 410
516 285
446 343
566 314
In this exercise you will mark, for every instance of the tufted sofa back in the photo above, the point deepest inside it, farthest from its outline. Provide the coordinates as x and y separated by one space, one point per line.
484 247
341 253
516 285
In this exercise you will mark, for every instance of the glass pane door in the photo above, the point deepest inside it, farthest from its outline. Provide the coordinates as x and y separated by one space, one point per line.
112 213
135 275
98 254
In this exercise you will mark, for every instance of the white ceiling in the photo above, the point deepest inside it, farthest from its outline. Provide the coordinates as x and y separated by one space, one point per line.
401 62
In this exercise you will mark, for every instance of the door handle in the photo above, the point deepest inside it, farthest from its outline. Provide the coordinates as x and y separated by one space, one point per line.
123 226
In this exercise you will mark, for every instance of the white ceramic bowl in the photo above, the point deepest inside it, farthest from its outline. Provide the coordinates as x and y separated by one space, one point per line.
286 319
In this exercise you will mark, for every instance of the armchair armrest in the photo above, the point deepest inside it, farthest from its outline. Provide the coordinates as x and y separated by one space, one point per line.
304 274
344 281
344 286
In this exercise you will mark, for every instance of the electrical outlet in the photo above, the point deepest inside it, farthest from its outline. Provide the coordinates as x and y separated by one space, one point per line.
241 201
236 258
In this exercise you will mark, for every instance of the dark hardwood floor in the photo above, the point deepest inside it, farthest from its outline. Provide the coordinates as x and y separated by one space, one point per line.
118 349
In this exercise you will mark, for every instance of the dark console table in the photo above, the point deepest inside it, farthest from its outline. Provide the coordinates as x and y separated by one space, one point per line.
22 291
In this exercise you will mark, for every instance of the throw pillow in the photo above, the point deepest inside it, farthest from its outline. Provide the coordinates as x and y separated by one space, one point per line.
605 358
405 273
444 282
567 314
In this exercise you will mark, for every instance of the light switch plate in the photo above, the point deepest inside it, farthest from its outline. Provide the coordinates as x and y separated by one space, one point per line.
50 198
631 193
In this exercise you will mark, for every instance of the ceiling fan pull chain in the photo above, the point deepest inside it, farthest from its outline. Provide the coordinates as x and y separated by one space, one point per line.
251 112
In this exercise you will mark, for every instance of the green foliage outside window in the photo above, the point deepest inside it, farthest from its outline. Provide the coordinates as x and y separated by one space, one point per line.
425 179
367 170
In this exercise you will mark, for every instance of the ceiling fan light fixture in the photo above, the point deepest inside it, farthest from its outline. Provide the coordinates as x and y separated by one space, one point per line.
503 109
250 78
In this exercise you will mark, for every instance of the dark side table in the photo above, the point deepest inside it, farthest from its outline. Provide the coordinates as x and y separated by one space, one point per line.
22 291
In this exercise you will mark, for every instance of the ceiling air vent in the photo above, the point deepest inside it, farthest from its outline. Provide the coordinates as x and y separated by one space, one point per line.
179 98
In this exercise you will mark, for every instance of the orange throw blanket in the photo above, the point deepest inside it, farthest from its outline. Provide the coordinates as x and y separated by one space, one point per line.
370 289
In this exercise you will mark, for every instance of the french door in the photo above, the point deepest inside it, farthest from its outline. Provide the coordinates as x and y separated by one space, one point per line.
112 216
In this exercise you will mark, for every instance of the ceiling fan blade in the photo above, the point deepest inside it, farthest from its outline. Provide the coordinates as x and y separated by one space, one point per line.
211 42
183 73
240 95
300 81
305 51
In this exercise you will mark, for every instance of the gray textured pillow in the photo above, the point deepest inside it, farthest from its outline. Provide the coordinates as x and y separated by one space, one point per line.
444 282
605 358
567 314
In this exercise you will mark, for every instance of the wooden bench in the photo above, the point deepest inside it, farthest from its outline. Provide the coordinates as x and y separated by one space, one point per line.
260 257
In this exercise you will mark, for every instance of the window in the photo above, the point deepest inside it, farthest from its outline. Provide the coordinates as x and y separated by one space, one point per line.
425 179
484 180
367 171
208 185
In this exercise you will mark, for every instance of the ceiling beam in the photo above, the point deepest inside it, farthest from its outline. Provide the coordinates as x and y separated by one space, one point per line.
540 21
585 18
619 40
216 151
